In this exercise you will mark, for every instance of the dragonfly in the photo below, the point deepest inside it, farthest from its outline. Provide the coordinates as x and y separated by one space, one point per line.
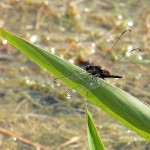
97 71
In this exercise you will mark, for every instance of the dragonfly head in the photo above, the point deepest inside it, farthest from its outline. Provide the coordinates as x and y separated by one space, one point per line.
89 69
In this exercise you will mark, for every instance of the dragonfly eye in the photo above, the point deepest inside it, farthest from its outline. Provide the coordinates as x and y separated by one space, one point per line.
88 68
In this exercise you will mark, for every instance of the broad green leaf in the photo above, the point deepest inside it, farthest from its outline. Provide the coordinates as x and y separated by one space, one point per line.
95 142
121 105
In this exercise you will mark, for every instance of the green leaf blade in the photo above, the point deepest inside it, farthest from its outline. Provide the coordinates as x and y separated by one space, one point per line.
121 105
95 142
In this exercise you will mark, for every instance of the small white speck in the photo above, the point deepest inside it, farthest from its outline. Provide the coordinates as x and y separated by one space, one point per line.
138 76
53 50
140 57
130 23
100 127
4 42
130 47
135 139
27 81
128 54
46 2
14 138
71 61
129 131
58 84
108 40
33 38
48 38
120 17
68 96
93 50
86 9
62 56
26 117
78 16
93 45
22 68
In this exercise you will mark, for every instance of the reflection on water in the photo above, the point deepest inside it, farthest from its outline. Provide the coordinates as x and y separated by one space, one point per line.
82 31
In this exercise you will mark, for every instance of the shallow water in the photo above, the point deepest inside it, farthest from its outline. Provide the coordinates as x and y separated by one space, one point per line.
33 106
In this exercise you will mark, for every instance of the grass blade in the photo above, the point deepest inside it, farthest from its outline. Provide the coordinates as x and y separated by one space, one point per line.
95 142
121 105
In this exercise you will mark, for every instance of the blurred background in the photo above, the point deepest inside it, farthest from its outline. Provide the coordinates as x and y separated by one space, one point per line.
32 107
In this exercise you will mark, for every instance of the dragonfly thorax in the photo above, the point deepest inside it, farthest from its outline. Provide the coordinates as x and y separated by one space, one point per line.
94 70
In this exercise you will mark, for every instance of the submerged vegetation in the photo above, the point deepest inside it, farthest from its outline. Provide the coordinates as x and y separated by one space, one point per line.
32 105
